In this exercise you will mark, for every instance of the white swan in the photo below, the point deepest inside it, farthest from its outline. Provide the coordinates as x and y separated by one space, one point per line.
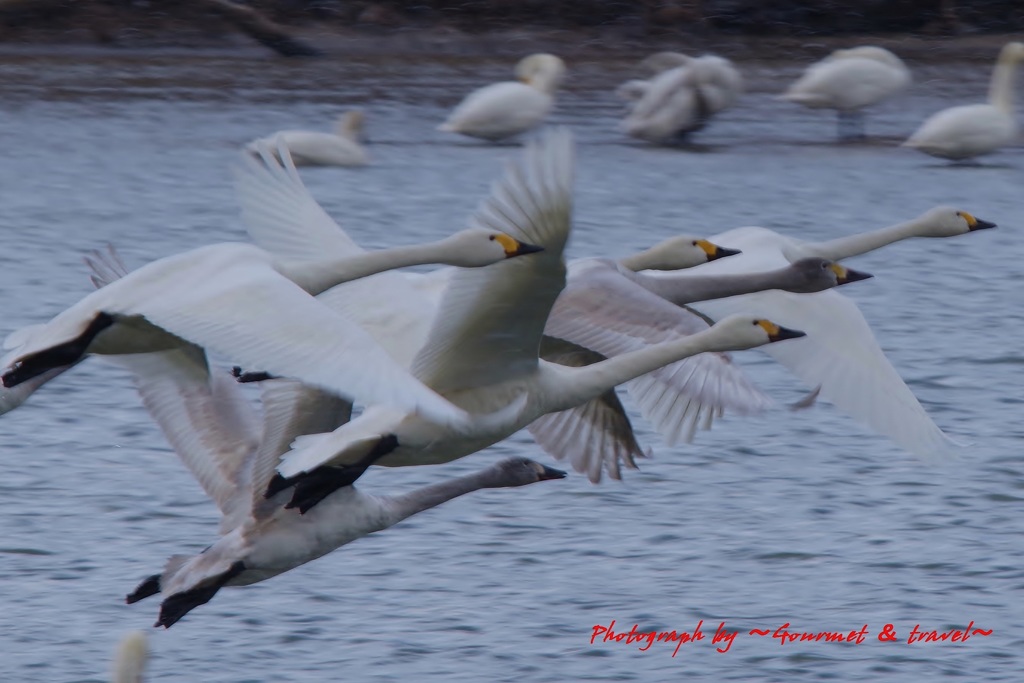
848 81
607 310
975 129
482 350
312 148
239 300
839 353
130 660
682 96
501 110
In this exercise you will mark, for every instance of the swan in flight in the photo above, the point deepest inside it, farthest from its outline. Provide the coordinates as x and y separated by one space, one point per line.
501 110
839 354
312 148
482 349
974 129
241 301
848 81
683 95
607 310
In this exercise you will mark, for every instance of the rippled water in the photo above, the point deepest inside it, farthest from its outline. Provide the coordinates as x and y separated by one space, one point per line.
791 517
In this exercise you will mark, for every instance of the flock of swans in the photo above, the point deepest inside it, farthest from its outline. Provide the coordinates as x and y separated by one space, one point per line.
447 363
683 94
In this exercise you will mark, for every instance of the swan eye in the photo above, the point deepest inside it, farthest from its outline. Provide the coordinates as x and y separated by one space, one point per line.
491 237
695 243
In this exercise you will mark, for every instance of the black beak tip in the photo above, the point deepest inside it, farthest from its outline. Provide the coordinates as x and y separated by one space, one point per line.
982 225
855 275
525 248
551 473
786 333
722 252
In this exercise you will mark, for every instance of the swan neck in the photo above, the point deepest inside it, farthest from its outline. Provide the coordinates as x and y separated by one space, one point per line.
686 289
644 260
861 243
317 277
588 382
409 504
1000 91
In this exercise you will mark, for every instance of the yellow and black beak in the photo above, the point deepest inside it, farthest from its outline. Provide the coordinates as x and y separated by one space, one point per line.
716 252
545 473
514 247
778 333
976 223
844 274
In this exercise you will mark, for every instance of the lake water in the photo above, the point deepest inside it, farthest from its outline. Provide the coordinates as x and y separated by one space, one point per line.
789 517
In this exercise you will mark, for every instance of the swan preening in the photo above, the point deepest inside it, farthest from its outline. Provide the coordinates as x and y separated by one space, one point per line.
971 130
312 148
501 110
848 81
681 97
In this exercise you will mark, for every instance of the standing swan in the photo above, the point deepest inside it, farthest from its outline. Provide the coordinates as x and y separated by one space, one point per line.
849 81
311 148
974 129
501 110
239 300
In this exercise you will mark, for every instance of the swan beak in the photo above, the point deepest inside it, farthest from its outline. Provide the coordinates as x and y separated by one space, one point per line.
546 473
976 223
714 251
778 333
844 274
514 247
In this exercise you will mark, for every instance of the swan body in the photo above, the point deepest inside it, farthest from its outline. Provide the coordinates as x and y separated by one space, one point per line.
253 307
850 80
972 130
682 96
312 148
482 349
502 110
839 354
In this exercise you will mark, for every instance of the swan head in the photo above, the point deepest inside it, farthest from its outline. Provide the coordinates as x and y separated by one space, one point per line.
130 660
818 274
475 248
739 332
519 472
944 221
541 71
681 252
1012 52
350 124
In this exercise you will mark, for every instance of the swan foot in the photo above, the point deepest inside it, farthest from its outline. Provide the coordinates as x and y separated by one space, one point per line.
149 586
246 377
178 605
57 356
312 487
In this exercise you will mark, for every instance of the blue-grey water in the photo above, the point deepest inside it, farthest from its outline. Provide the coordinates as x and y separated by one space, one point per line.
799 517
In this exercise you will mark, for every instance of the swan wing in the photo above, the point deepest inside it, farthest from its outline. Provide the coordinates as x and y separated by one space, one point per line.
204 416
489 326
602 310
290 410
594 436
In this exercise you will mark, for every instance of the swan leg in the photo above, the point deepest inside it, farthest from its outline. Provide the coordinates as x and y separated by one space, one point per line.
57 356
178 605
313 487
149 586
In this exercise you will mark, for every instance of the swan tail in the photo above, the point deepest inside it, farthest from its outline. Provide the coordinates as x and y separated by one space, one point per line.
448 127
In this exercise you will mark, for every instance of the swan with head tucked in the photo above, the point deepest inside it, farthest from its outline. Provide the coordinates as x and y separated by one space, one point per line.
972 130
681 97
849 81
839 355
501 110
312 148
241 301
482 349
